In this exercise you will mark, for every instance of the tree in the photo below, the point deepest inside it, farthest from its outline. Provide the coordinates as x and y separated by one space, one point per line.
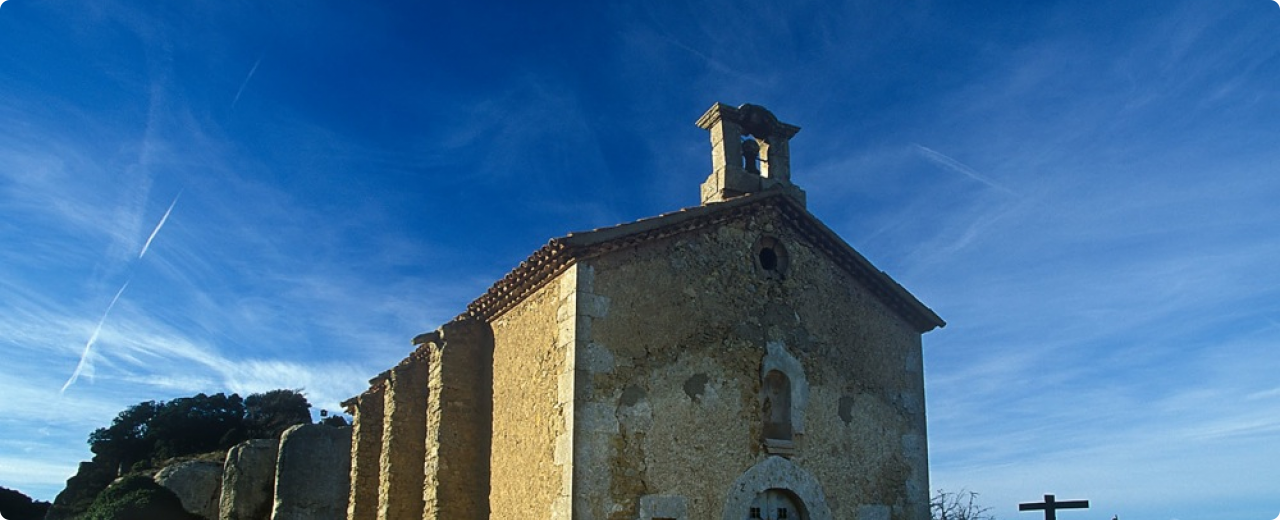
269 414
337 421
196 424
15 505
156 430
127 440
958 506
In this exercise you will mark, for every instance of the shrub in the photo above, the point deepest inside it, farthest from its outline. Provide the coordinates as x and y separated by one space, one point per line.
137 498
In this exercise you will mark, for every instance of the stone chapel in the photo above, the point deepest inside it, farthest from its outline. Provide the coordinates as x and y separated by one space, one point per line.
735 360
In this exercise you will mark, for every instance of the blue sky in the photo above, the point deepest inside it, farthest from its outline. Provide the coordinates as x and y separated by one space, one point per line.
1086 191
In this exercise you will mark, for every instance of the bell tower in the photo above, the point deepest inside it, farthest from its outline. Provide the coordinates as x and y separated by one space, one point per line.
750 152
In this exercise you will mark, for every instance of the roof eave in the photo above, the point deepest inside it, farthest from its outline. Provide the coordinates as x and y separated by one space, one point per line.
560 253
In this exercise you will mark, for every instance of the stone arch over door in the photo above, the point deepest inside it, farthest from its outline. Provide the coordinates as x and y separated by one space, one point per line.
776 473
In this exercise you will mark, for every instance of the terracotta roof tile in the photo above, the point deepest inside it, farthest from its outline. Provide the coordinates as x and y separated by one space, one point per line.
555 257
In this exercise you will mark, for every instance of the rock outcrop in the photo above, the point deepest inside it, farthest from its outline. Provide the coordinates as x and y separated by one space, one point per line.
313 473
197 484
249 480
90 479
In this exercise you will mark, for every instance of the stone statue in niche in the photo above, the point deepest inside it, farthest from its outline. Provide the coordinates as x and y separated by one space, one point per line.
777 406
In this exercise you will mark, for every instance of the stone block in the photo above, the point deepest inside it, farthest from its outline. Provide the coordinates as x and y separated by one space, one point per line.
592 305
197 484
249 480
313 473
597 359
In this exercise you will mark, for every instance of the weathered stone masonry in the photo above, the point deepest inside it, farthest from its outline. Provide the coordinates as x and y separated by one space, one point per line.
420 433
705 363
366 449
404 432
459 422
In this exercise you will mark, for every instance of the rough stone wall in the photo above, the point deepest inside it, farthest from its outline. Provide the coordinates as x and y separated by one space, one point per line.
530 450
366 452
249 480
404 433
459 423
670 372
313 473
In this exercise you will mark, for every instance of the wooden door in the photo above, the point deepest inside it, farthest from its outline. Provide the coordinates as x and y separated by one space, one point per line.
774 504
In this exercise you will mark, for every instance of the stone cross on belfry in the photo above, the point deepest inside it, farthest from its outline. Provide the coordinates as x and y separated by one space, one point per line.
750 152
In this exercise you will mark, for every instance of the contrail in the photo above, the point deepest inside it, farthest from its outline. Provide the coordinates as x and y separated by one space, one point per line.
160 225
245 83
715 64
958 167
84 356
93 338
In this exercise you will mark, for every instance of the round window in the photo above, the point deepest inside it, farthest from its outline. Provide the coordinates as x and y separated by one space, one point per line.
771 257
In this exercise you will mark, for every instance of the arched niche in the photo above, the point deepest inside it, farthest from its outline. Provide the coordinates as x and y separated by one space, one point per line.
775 394
778 358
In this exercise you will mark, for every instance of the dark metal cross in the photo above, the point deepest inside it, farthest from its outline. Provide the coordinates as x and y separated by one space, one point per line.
1051 506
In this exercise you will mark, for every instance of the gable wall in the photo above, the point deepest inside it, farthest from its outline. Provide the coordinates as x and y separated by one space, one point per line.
669 375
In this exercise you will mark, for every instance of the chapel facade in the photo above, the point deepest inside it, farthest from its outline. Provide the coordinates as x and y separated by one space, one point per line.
735 360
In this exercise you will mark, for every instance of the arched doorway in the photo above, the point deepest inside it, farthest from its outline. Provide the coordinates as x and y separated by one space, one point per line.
772 484
775 504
